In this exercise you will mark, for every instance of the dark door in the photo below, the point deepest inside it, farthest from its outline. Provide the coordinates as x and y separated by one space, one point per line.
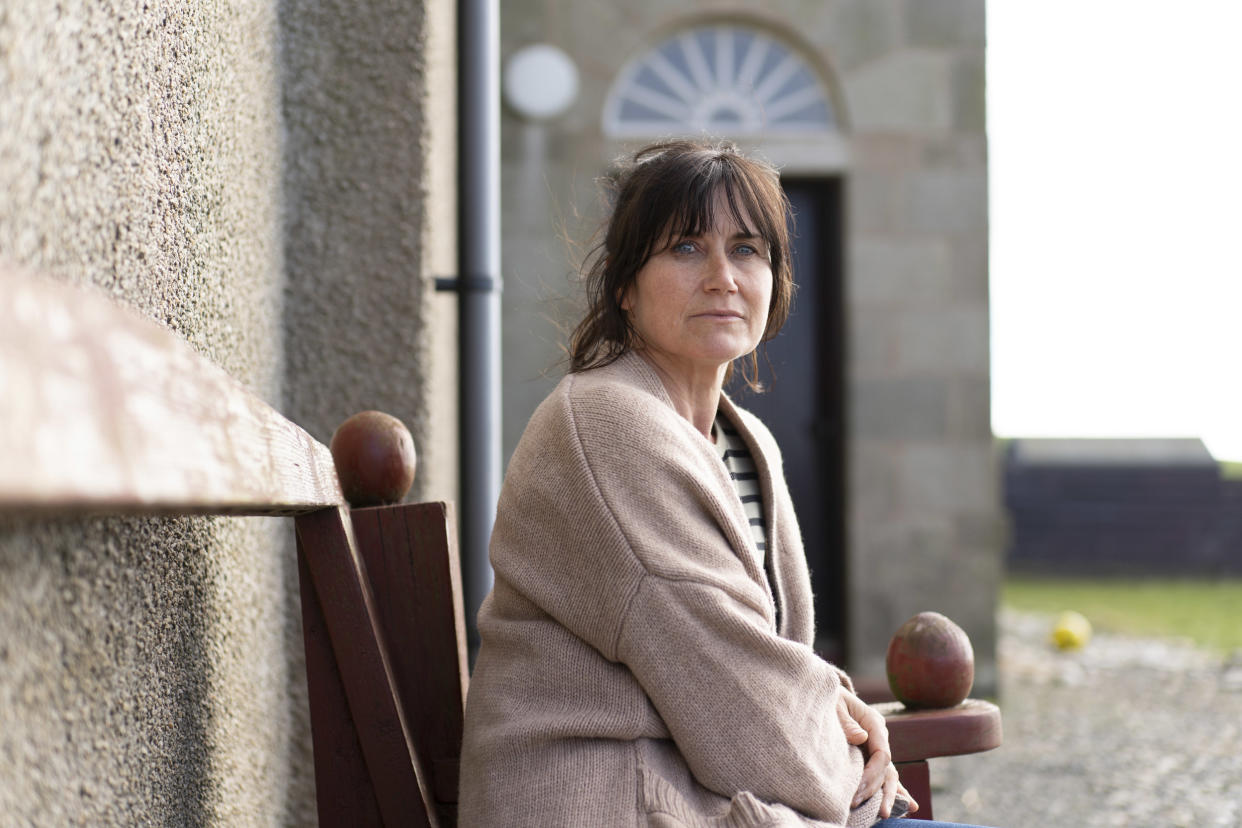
803 373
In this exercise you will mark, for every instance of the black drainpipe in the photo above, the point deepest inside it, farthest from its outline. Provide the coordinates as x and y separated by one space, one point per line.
478 287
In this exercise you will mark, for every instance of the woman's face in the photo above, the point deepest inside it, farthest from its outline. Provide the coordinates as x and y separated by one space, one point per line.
702 301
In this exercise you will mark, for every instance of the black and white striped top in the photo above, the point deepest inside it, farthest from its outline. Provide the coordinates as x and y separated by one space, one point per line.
745 477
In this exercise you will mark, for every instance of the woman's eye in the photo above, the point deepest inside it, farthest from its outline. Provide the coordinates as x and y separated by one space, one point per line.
746 250
683 247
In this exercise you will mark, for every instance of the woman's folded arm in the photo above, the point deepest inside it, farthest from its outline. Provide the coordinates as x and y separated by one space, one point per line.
748 710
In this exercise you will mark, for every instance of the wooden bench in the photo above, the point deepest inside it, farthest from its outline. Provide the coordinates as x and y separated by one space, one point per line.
916 736
106 411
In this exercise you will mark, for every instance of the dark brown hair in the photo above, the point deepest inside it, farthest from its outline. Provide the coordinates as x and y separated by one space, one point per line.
667 191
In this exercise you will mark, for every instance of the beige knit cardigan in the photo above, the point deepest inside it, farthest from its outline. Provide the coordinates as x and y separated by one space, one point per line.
631 671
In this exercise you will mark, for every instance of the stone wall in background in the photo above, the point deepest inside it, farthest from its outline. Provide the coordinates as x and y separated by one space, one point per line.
925 520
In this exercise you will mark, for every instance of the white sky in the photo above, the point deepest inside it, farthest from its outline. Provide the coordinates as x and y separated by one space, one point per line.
1115 140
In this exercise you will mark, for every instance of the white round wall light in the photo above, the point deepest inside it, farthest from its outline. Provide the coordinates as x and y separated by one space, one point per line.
540 82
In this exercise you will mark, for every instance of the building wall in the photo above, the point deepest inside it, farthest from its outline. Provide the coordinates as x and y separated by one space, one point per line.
923 510
1147 507
369 220
254 176
925 506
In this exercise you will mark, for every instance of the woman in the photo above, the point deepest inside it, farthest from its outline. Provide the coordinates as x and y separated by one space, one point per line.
645 652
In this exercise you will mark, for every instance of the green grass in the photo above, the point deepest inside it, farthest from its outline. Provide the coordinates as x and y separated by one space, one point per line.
1231 470
1207 612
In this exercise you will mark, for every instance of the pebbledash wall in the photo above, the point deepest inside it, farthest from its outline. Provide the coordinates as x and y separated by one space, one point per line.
267 180
906 78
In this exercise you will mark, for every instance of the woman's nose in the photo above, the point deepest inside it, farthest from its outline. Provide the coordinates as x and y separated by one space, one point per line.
720 275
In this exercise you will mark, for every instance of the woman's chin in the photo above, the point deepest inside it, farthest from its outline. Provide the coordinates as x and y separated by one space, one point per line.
687 364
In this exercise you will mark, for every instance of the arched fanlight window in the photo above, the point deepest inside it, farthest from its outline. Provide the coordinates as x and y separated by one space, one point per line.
719 79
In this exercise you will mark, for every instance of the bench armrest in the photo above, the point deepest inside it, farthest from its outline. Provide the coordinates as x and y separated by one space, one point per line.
914 735
106 410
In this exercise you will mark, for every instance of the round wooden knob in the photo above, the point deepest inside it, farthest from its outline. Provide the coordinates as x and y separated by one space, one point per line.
930 662
374 457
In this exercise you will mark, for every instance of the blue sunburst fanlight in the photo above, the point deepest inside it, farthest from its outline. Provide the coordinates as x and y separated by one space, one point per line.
718 79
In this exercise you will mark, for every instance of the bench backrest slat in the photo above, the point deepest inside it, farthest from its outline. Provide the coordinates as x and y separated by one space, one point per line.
411 556
102 409
353 687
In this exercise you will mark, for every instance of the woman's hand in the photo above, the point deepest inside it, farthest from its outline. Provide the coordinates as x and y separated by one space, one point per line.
865 727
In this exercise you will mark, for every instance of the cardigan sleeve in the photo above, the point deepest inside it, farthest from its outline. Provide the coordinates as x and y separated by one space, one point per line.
748 710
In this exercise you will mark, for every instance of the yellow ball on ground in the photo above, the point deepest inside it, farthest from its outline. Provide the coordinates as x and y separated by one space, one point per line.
1072 631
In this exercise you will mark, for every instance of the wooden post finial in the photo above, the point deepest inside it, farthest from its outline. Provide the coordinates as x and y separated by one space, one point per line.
375 459
930 662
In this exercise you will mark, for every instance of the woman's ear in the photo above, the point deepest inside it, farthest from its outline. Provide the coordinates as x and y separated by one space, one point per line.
623 299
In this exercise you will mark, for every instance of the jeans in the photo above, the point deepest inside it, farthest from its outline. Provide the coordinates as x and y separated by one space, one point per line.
917 823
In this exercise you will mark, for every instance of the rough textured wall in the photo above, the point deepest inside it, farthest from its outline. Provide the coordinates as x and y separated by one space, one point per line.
923 509
146 672
359 317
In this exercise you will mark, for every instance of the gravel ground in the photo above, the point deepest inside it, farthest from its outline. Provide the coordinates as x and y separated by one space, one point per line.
1126 732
